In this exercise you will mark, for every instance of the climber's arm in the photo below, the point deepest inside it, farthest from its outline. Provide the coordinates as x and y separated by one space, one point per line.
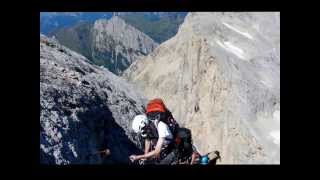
195 155
154 153
147 144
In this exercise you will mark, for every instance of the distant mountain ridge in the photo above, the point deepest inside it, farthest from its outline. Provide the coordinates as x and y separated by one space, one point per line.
111 43
160 26
52 21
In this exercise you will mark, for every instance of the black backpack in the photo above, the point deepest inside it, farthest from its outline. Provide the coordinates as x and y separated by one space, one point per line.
182 136
184 142
167 118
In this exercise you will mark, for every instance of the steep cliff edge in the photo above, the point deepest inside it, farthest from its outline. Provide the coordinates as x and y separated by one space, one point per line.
83 108
220 76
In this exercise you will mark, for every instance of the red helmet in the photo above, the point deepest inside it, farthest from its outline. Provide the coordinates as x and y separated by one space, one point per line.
156 105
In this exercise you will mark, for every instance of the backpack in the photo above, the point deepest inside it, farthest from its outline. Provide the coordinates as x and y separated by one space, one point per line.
168 119
183 141
157 110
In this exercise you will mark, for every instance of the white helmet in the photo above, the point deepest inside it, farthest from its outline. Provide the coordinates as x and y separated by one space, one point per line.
138 124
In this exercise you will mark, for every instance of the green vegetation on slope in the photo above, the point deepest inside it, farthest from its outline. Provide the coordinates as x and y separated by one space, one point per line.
77 38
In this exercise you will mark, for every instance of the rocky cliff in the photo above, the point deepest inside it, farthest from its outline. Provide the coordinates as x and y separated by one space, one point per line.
220 76
119 43
83 108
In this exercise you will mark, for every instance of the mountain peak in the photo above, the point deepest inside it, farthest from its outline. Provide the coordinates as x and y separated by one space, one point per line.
120 43
116 18
117 27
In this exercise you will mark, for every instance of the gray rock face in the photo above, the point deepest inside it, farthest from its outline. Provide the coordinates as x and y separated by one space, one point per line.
83 108
220 76
119 43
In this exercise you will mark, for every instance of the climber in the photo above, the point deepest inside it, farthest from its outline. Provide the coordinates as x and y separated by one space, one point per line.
169 143
197 158
205 160
157 128
214 159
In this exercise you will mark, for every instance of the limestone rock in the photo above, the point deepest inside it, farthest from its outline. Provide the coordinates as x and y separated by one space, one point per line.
119 43
220 76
